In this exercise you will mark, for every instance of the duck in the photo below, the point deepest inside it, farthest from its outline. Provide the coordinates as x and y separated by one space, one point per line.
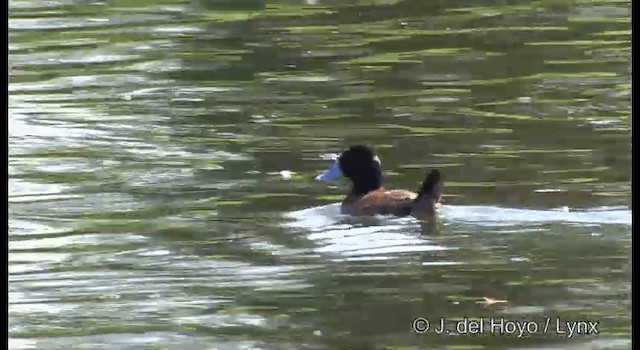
363 168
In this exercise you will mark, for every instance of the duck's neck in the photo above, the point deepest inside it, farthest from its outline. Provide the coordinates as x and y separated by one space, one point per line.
360 188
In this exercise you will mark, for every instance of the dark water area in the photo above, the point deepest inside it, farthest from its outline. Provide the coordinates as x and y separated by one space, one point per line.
162 157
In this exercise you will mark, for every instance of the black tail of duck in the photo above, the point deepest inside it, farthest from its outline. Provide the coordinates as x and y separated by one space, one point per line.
429 195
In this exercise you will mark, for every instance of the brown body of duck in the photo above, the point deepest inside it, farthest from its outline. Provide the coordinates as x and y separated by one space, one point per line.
367 196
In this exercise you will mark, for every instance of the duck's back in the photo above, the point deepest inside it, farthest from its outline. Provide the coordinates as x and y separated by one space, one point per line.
384 202
384 196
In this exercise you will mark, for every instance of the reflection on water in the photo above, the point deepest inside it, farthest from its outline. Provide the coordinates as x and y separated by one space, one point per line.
162 157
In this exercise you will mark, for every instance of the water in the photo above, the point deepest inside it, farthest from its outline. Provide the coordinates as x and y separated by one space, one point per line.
162 155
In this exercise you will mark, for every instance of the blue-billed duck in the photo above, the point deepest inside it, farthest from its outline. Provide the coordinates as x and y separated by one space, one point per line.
367 197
